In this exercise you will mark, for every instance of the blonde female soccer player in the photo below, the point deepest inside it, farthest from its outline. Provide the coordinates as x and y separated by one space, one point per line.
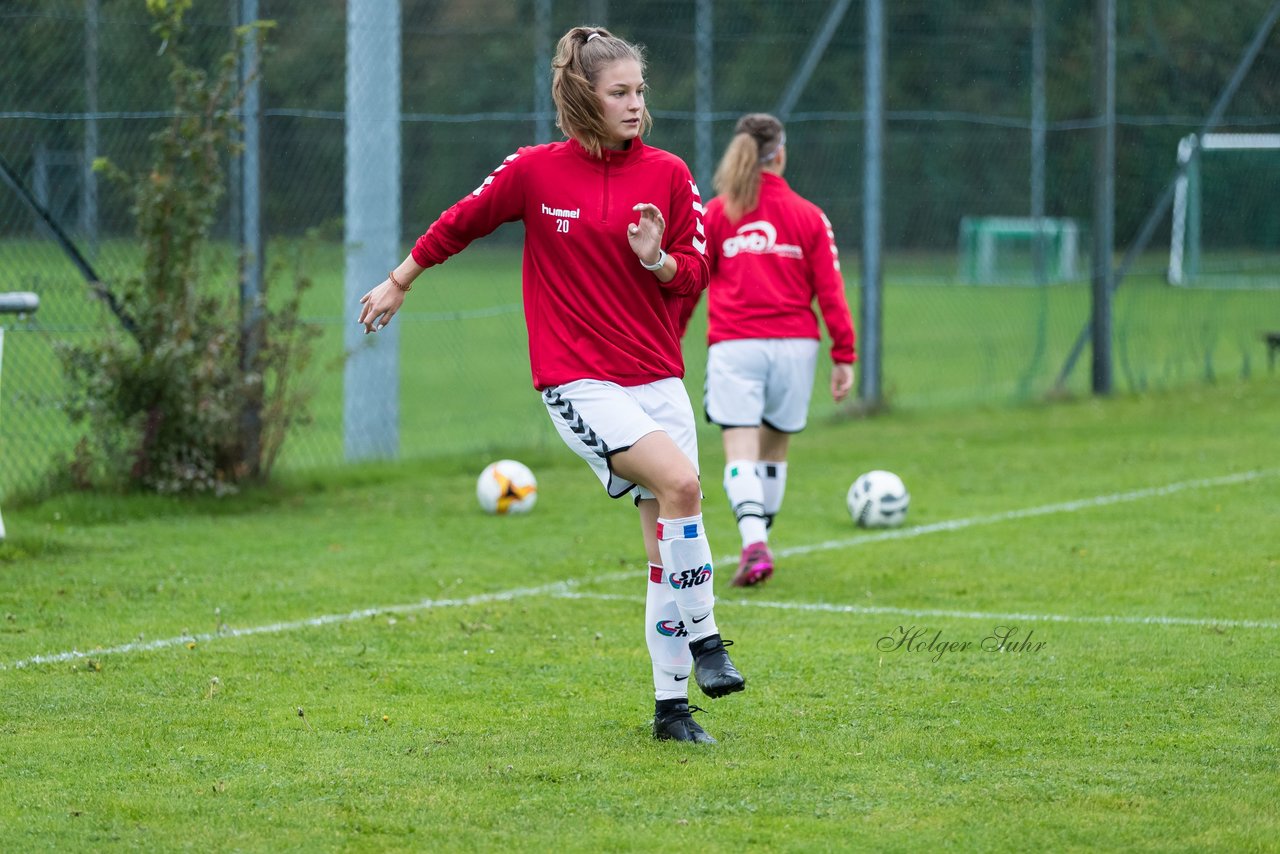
613 248
773 254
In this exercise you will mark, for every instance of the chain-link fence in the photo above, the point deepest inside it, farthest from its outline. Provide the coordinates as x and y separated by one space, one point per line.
81 80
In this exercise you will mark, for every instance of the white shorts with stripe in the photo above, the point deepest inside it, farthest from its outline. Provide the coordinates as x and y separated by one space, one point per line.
597 419
754 381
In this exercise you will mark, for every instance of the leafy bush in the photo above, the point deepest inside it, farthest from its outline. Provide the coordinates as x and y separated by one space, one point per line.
197 395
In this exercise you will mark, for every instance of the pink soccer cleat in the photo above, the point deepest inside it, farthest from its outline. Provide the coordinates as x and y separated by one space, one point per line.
755 567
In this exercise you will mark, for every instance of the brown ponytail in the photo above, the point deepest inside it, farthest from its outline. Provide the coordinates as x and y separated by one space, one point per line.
756 140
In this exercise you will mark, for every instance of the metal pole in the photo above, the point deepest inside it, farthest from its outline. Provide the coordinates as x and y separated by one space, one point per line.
1104 177
9 176
1038 124
251 238
817 47
235 170
704 39
869 324
371 378
89 190
542 71
251 165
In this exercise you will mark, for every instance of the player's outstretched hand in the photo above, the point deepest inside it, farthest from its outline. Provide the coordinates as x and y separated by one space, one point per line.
379 306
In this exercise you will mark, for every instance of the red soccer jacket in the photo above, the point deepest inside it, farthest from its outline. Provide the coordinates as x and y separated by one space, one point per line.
767 269
591 310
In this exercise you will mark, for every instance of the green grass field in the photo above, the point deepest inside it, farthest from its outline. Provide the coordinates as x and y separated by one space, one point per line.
358 659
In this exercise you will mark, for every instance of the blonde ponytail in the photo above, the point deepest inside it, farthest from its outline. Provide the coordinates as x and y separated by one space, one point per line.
737 179
756 140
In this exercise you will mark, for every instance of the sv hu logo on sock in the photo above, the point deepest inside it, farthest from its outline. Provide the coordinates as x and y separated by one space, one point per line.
671 629
690 577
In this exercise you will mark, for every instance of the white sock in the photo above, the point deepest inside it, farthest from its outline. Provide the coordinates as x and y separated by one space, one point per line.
773 479
668 641
687 569
744 486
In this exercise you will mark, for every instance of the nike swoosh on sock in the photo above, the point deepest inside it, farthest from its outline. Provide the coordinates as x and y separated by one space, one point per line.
680 678
700 619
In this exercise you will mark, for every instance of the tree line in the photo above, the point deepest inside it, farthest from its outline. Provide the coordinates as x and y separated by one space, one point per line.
957 91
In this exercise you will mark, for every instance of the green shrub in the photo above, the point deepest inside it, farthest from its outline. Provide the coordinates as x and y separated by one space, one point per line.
196 396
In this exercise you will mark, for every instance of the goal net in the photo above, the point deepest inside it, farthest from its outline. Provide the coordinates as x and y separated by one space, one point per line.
1003 250
1226 213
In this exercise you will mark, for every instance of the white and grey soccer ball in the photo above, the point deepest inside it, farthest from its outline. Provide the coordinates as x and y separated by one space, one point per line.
878 499
507 488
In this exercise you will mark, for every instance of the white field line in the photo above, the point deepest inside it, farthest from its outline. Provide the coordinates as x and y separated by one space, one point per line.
565 588
313 622
1205 622
1045 510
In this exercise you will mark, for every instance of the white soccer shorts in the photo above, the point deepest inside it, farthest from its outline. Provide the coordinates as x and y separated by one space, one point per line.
597 419
754 381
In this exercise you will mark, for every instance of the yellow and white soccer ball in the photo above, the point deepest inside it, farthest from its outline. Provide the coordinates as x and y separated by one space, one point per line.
506 488
878 499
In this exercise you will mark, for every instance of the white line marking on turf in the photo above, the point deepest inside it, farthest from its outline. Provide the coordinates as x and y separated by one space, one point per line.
312 622
564 588
1204 622
1030 512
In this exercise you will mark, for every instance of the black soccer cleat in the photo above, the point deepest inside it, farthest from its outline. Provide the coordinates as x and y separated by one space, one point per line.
712 669
673 721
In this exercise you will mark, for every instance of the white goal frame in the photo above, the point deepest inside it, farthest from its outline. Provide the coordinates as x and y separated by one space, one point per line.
980 248
1184 239
20 303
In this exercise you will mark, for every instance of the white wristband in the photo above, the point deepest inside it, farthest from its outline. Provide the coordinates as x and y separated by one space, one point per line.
662 259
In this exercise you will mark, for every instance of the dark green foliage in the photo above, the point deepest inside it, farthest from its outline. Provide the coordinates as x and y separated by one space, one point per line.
187 400
958 78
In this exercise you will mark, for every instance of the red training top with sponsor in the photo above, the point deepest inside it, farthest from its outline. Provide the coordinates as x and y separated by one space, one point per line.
767 269
591 310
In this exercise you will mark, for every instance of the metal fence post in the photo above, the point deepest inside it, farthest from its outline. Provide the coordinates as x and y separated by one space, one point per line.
1104 186
371 387
869 321
704 104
